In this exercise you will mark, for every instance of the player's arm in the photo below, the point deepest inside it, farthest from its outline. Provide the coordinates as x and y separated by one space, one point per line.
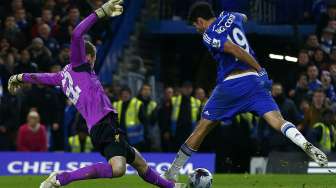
241 54
111 8
16 81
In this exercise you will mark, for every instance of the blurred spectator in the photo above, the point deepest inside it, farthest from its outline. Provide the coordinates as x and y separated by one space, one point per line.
320 59
40 54
132 118
15 5
62 7
319 8
301 91
13 33
326 18
50 4
313 82
50 42
22 21
327 39
327 86
25 64
63 56
7 54
324 131
201 95
332 56
68 23
46 101
312 43
185 114
300 67
332 70
303 60
313 114
81 141
149 106
32 136
4 75
276 141
164 119
9 110
46 18
287 106
112 92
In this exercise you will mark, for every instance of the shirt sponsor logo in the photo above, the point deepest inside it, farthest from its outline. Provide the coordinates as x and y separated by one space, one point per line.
216 43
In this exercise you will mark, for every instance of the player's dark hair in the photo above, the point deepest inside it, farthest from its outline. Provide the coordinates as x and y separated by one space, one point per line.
200 10
90 49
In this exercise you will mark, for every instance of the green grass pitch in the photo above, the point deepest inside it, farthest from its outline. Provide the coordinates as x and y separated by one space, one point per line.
220 181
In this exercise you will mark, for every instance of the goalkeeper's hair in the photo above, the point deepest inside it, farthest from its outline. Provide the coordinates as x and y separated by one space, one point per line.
200 10
90 49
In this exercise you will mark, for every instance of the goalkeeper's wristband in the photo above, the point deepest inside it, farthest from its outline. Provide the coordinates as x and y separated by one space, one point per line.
100 12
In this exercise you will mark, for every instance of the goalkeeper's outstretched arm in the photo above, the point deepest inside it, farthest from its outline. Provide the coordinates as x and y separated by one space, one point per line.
15 81
111 8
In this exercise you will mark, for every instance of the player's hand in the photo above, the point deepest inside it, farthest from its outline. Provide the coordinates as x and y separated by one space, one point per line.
264 79
14 83
111 8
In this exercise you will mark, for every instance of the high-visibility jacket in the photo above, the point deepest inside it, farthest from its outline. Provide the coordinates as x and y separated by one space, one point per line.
75 146
151 107
195 105
134 128
325 142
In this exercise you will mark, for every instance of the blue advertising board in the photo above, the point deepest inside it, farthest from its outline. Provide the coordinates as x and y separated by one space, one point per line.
17 163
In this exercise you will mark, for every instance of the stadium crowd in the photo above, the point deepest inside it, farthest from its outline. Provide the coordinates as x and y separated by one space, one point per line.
34 38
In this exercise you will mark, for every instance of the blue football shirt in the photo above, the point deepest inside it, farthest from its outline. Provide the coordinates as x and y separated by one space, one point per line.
228 26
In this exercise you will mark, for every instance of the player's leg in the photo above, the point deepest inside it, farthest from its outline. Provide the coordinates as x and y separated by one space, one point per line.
191 145
215 109
275 119
150 175
116 167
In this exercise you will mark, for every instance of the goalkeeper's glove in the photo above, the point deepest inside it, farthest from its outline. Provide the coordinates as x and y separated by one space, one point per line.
264 79
111 8
14 83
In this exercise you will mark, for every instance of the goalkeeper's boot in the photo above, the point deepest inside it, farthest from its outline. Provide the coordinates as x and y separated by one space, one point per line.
51 181
317 155
180 185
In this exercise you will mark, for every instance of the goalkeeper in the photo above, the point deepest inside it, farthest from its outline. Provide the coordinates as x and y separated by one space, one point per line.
82 87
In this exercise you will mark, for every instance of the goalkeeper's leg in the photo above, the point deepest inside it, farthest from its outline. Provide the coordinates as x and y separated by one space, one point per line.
189 147
275 119
151 176
115 168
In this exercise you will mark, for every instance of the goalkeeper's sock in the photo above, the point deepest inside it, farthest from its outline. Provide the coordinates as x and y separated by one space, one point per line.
290 131
154 178
181 158
99 170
